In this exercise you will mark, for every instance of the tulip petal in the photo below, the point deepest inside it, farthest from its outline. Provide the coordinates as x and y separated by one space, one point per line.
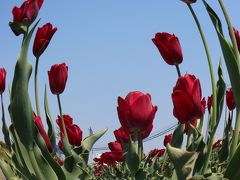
197 96
182 106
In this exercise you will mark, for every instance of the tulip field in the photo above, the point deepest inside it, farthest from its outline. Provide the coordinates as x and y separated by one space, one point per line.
191 151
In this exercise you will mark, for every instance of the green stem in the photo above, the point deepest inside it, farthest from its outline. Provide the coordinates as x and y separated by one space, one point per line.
140 146
235 49
200 127
65 136
214 91
36 88
188 140
230 28
178 70
35 165
235 134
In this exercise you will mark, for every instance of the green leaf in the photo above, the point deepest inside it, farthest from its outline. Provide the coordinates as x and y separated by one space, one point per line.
177 138
22 158
231 60
51 131
183 161
233 169
221 89
20 105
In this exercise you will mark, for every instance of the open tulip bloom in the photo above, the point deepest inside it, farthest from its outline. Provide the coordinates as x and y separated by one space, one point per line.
191 151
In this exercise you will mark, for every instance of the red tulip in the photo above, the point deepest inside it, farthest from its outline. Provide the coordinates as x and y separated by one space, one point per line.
136 112
167 139
2 80
237 36
230 99
115 146
209 103
169 47
217 144
74 132
39 125
110 158
156 152
187 99
58 75
189 1
121 135
187 125
68 120
27 12
42 39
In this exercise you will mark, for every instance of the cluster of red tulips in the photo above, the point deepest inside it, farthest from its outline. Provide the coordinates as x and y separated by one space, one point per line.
33 151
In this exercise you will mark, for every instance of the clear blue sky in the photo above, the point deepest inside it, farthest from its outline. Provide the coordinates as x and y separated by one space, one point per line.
107 46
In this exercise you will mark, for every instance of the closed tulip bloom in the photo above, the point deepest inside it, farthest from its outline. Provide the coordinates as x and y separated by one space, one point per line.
230 99
209 103
121 135
169 47
74 134
189 1
136 112
115 146
237 36
156 152
73 131
2 80
187 99
39 125
58 75
167 139
27 12
42 39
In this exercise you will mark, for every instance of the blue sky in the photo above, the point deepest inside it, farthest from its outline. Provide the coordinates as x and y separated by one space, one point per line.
108 49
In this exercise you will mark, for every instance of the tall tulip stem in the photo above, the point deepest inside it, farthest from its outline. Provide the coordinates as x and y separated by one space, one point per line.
178 70
36 87
214 91
63 124
140 145
235 49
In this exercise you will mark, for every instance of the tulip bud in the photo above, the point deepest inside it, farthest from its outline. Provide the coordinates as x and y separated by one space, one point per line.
23 16
167 139
136 112
209 103
169 47
2 80
58 75
42 39
187 99
189 1
115 146
74 132
230 99
237 36
39 125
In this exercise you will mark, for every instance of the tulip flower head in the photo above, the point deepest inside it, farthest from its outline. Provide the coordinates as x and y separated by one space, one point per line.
209 103
58 75
42 39
237 36
2 80
136 112
169 47
27 12
187 99
74 132
230 99
167 139
40 127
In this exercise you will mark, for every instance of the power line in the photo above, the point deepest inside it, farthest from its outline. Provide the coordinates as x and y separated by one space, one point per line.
154 136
